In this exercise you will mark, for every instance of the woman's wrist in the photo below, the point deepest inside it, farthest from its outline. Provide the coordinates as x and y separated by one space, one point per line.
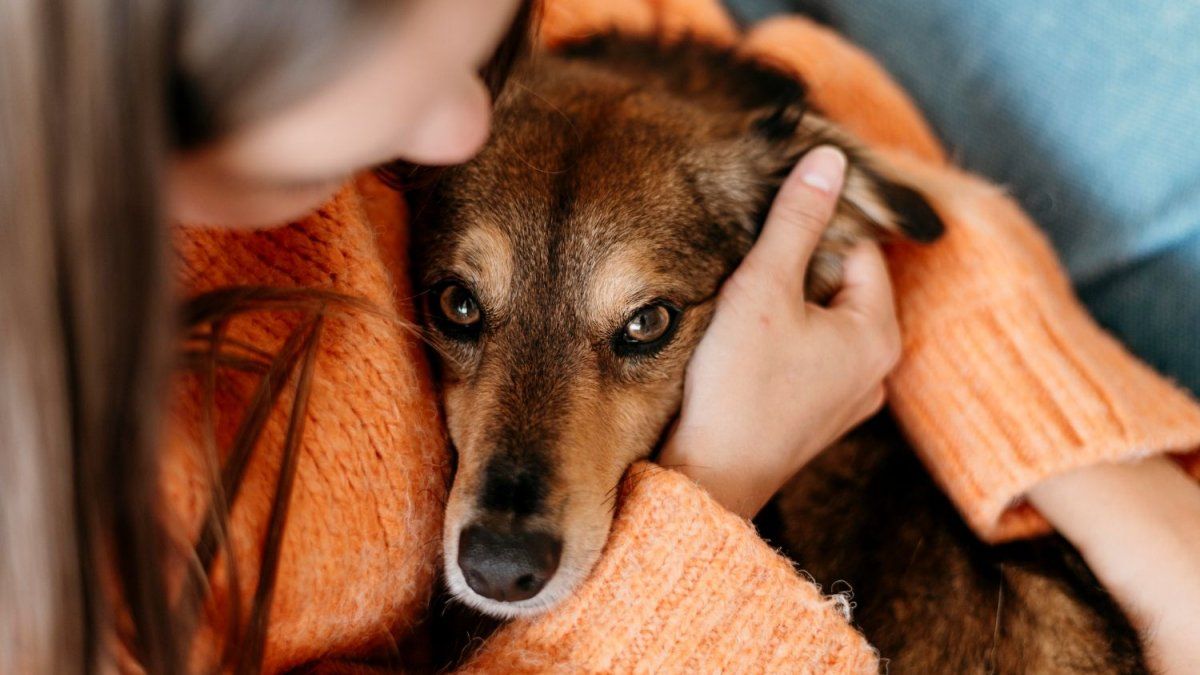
1138 527
1151 503
741 487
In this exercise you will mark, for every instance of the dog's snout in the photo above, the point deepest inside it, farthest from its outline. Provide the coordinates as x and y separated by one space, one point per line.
507 566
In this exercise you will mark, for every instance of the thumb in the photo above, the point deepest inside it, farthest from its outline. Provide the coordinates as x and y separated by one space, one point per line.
798 218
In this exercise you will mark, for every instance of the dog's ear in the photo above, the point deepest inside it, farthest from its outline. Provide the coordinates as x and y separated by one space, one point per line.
874 205
885 204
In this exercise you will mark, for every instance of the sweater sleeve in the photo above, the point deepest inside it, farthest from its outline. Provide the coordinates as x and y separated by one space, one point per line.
682 584
1005 379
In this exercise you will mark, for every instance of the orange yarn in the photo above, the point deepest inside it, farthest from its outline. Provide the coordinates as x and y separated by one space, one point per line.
1005 380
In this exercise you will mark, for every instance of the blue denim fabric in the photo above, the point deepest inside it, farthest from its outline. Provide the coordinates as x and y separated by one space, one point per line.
1089 112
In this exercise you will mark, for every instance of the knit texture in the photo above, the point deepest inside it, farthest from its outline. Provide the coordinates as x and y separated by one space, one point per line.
684 586
359 556
1004 381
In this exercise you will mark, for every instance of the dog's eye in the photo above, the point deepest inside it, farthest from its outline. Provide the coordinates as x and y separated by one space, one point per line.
649 324
647 330
456 312
458 305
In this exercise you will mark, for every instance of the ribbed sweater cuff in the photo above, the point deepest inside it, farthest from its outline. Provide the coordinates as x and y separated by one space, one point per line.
683 584
1005 394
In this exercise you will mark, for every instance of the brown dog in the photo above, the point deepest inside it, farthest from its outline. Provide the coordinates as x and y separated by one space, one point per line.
571 270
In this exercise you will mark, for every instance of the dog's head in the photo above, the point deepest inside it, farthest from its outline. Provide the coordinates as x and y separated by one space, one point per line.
569 272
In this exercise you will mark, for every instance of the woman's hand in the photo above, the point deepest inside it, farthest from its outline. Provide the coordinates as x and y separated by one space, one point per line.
1138 527
775 380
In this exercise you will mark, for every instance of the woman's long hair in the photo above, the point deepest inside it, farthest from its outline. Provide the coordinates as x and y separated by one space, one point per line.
95 97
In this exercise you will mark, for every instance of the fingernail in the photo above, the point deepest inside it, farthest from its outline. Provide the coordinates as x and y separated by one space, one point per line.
823 168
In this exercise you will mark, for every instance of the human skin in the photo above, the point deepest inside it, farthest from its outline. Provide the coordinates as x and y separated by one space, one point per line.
776 379
418 96
414 93
792 377
1138 527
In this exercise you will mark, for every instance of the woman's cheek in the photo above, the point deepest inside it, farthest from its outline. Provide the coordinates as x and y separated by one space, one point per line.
192 200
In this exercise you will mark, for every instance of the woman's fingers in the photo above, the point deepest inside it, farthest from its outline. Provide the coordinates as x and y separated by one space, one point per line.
866 285
873 404
866 297
799 216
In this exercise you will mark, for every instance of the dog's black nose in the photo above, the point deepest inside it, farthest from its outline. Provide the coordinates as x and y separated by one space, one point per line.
507 566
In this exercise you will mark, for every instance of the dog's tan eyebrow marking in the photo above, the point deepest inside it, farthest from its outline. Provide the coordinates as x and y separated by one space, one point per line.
620 284
484 258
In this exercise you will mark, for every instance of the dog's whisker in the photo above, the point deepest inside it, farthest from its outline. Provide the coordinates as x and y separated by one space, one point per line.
431 340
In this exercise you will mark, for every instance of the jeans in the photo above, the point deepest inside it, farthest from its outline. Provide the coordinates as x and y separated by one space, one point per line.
1089 113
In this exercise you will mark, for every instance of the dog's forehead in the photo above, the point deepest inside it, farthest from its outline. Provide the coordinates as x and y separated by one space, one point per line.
594 236
599 255
562 205
595 197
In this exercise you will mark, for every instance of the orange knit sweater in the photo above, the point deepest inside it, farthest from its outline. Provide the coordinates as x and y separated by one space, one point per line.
1004 381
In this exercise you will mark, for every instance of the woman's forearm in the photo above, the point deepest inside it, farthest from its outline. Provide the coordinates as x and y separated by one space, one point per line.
1138 527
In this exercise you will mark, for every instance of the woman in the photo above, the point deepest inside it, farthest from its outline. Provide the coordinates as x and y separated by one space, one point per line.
120 115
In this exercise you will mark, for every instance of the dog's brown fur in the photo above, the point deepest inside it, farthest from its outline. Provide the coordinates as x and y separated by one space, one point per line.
624 173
